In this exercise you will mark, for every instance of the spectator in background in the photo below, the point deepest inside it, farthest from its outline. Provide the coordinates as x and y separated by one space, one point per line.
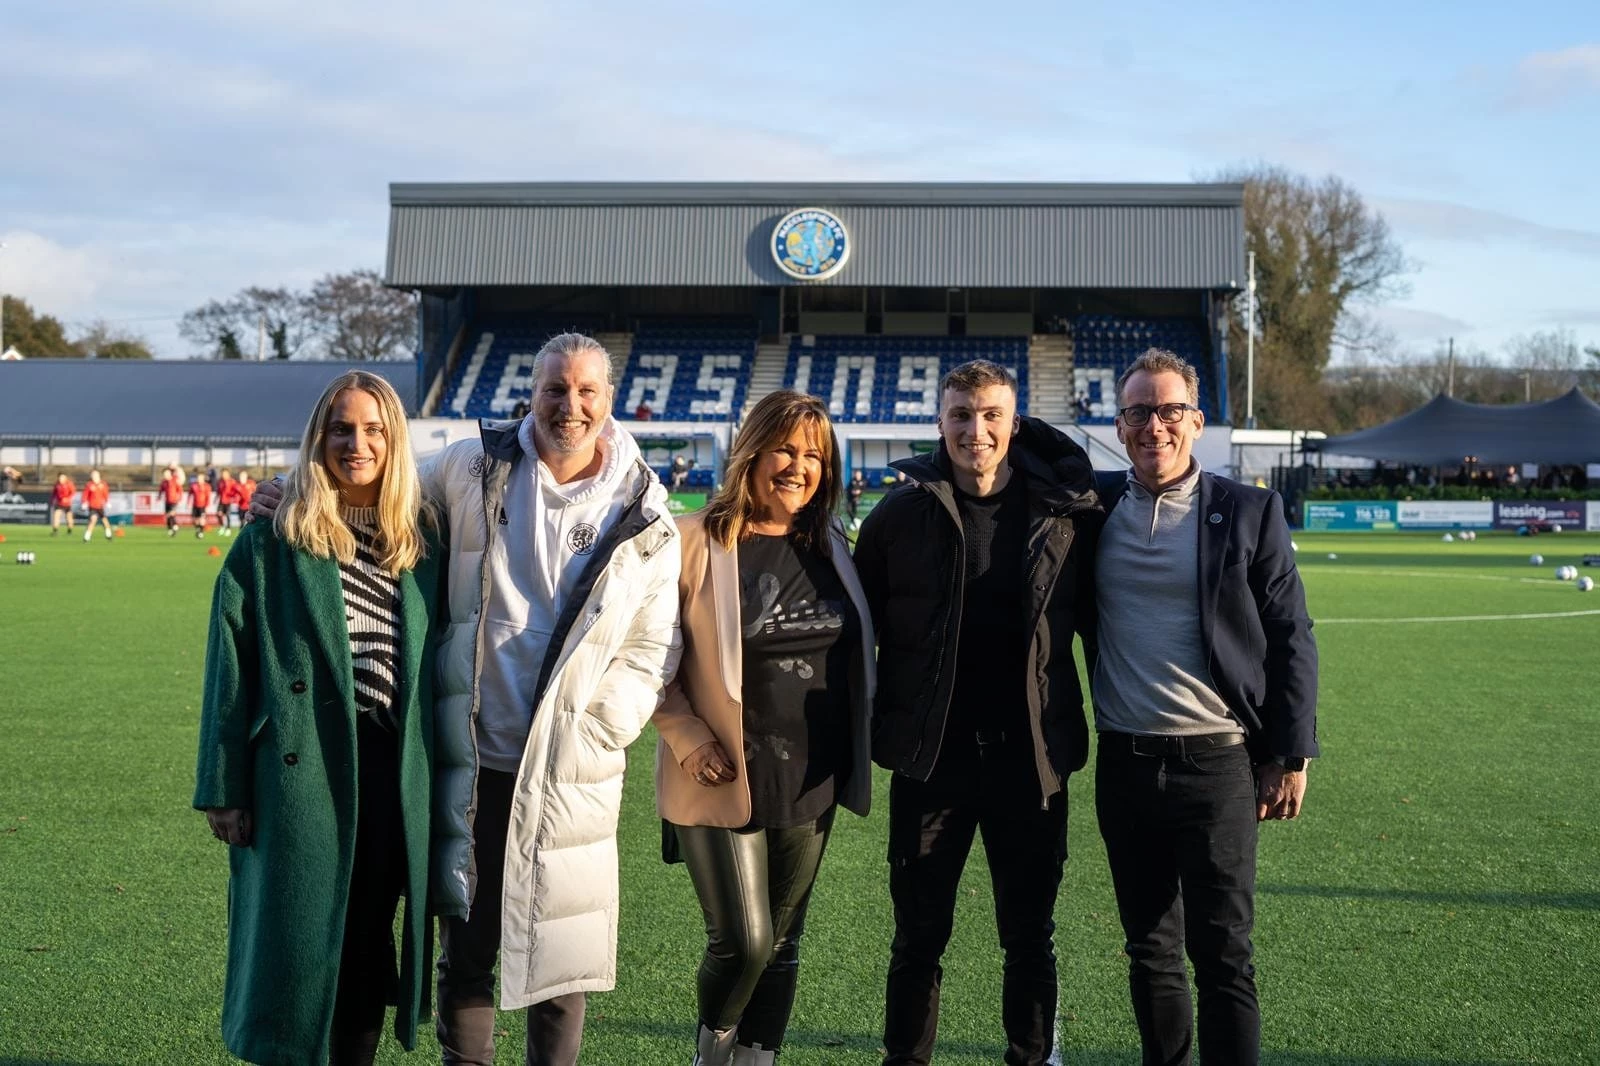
10 478
680 472
853 491
172 491
199 500
642 413
61 495
1511 478
95 495
520 409
227 504
1084 408
247 490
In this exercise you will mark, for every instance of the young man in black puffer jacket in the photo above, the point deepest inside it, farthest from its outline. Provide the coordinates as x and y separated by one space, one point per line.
978 572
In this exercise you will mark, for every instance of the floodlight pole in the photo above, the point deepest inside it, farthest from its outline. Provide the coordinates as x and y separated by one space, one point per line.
1250 347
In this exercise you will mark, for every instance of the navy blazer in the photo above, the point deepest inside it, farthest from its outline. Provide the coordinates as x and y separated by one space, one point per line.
1253 617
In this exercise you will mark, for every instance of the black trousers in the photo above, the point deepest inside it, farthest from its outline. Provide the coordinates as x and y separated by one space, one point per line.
987 787
1180 833
368 979
754 886
468 950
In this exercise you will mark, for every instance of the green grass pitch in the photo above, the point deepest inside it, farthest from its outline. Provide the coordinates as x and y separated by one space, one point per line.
1439 902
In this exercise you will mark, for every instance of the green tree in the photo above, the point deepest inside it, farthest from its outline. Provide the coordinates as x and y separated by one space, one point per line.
228 329
34 335
1321 253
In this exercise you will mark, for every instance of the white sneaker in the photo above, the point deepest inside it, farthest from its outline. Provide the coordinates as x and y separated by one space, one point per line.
86 536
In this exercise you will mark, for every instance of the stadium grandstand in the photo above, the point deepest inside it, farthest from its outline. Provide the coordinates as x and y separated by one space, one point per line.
710 295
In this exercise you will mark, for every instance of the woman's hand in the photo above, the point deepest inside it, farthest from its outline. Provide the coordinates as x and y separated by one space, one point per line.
231 825
709 765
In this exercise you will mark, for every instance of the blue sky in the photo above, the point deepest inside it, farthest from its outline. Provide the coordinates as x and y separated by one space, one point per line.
157 154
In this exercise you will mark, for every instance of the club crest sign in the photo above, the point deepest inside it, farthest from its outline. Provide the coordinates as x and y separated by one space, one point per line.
810 244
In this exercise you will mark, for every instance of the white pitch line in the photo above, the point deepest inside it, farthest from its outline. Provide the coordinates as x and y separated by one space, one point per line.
1457 618
1381 572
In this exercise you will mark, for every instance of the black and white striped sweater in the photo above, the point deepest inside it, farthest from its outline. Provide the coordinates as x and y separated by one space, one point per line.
372 615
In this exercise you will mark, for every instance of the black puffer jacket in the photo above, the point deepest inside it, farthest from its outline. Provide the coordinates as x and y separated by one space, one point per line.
912 559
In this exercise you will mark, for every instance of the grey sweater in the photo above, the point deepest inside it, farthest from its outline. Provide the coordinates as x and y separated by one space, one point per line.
1151 676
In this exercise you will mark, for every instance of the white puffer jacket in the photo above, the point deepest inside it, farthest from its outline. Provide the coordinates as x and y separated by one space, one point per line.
616 646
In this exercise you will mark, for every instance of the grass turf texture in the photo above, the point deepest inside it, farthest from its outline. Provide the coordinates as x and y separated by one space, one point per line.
1436 903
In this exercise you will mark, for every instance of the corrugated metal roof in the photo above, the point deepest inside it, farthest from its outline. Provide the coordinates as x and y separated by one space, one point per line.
133 398
970 236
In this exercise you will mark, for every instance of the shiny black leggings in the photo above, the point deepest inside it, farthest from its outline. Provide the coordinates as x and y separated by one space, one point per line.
754 886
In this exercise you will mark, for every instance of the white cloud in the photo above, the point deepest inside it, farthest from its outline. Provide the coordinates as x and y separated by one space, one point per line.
53 278
1412 324
1545 78
1445 221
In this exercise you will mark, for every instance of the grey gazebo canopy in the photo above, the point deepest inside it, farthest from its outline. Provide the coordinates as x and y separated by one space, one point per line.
1448 432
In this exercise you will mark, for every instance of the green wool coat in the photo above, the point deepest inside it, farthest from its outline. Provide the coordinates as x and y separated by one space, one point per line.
278 736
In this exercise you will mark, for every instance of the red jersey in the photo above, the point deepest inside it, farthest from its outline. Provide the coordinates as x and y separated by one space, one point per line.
247 489
62 494
201 491
227 491
95 494
171 489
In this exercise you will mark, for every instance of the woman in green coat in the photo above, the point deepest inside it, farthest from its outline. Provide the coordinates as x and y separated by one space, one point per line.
316 742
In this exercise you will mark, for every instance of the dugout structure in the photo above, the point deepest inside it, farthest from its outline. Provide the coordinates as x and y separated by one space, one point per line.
710 295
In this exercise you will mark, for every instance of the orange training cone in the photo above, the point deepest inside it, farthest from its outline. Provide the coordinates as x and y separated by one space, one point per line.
213 550
118 532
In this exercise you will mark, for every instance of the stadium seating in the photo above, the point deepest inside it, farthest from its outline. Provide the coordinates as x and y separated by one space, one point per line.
890 378
688 372
495 370
1104 345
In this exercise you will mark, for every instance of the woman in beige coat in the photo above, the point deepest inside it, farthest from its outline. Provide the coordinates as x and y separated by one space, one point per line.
765 730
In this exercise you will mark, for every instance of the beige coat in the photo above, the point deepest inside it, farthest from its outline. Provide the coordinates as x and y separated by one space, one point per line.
703 702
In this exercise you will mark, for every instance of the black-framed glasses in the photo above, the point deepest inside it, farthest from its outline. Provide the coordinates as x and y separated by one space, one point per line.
1170 413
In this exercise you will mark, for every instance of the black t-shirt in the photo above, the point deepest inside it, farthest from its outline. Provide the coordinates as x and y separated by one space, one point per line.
799 632
992 656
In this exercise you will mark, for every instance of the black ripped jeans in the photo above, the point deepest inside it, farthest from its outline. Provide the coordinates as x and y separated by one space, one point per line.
754 886
988 786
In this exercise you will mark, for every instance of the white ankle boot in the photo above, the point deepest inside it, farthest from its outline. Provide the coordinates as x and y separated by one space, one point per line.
715 1047
754 1056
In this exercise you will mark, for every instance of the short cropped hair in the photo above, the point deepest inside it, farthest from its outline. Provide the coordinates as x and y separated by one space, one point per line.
977 374
1161 361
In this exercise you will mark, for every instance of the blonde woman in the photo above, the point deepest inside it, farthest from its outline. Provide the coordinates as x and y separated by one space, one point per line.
316 742
764 733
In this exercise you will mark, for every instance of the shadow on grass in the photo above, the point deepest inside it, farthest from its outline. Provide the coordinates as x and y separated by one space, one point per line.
862 1048
1563 901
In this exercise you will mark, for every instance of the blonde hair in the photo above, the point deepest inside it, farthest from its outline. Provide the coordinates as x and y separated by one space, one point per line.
308 518
771 422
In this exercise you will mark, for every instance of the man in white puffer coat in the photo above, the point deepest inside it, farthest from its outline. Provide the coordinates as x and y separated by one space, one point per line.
563 631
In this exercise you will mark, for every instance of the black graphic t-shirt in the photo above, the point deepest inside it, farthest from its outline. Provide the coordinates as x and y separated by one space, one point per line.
799 632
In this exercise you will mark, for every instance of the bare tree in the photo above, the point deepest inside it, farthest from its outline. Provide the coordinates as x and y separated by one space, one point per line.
359 318
232 328
102 340
1321 253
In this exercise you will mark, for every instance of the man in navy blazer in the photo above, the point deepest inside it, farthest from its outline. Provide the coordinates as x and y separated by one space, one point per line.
1205 693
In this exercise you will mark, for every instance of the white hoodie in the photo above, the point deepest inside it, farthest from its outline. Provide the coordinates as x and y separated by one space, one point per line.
551 529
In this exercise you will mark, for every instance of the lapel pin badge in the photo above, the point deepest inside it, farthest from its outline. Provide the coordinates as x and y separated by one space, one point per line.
1215 518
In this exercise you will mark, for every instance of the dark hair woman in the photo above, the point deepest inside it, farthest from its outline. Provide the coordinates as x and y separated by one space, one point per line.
764 732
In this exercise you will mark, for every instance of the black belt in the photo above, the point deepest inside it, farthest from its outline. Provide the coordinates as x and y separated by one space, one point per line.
1157 747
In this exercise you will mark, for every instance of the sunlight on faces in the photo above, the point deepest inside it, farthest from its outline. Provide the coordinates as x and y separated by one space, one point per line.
977 428
355 447
570 402
786 474
1159 452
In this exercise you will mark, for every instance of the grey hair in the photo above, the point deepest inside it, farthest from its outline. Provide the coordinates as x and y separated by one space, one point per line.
567 345
1161 361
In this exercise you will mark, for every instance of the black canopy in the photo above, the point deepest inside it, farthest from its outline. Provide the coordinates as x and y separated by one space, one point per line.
1447 432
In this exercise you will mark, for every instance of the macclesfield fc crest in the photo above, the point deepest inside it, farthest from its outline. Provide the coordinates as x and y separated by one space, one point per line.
810 244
